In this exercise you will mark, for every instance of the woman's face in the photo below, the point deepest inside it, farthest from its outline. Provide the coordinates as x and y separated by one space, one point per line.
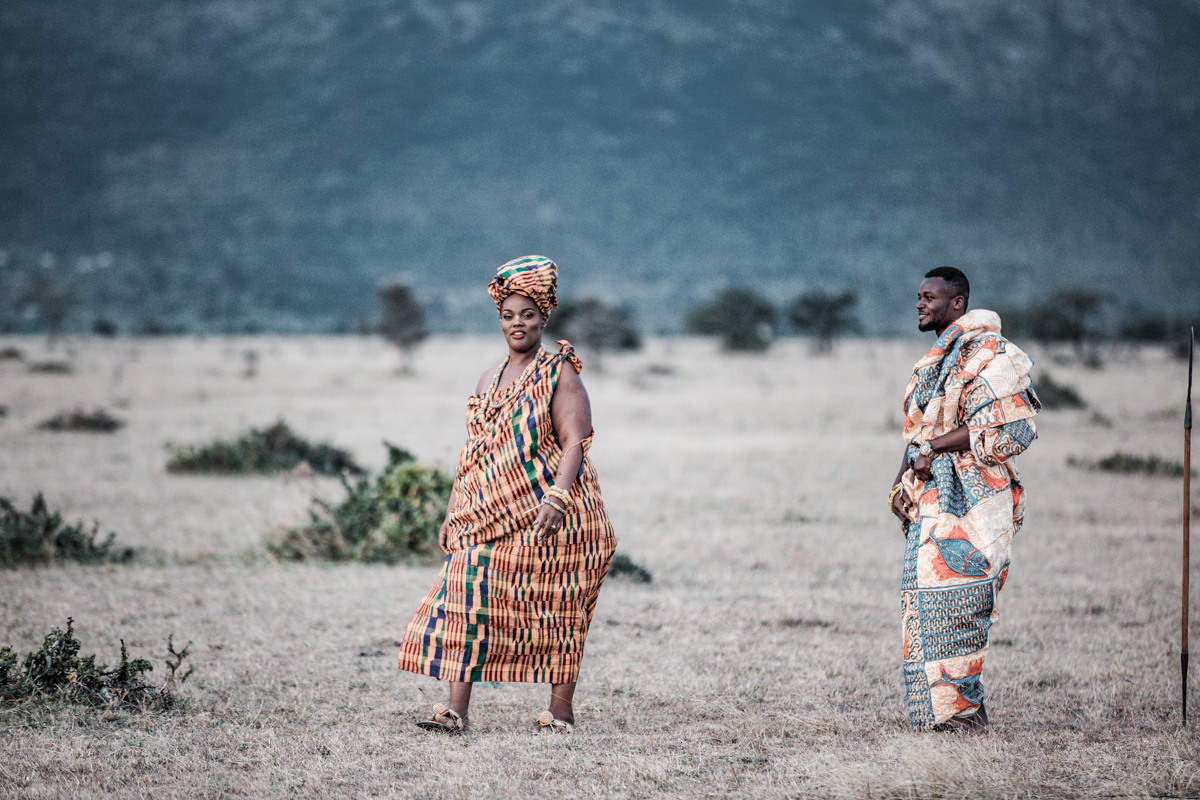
522 323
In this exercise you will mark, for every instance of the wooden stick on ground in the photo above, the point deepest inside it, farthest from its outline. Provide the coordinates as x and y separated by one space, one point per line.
1187 523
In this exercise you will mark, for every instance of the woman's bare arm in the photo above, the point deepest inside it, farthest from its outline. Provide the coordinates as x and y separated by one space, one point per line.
571 413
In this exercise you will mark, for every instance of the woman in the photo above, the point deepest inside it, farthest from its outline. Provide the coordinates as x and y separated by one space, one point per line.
526 535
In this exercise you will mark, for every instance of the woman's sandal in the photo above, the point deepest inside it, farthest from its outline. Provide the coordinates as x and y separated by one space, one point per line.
457 723
548 724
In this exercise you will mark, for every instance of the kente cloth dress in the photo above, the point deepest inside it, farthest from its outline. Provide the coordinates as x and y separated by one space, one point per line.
957 554
506 608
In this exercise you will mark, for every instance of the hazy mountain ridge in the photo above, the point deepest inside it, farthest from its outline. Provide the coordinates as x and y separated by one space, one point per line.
269 162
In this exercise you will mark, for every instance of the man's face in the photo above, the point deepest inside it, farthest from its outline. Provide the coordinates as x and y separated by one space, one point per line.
937 305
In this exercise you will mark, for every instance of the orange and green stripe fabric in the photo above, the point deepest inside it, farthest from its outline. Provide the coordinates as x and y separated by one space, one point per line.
504 607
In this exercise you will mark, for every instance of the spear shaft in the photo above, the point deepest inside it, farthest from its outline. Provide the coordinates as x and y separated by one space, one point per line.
1187 522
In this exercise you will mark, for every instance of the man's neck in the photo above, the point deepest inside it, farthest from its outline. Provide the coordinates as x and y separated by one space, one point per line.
946 327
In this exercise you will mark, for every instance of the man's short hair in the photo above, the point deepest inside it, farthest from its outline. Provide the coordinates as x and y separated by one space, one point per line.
957 280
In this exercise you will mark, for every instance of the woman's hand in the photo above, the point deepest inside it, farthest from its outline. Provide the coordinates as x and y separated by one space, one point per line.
902 507
548 524
443 534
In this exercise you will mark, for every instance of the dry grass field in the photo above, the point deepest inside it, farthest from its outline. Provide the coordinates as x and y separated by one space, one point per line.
763 661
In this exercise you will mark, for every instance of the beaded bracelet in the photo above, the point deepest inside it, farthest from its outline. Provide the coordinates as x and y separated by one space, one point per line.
561 495
892 497
547 501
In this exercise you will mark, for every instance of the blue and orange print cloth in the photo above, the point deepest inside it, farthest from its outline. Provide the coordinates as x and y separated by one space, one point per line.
958 549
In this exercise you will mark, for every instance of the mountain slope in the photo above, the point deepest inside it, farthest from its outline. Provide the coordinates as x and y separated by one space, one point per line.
267 163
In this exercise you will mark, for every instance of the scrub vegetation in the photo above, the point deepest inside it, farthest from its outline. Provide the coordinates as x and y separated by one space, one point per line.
97 421
1055 396
1126 464
390 519
762 661
39 536
268 450
56 673
623 566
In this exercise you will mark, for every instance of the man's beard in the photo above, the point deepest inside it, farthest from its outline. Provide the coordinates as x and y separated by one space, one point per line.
931 325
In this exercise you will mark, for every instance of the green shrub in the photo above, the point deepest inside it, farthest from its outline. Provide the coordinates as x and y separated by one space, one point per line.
623 566
51 367
57 673
276 449
98 421
1125 464
1054 396
39 537
393 518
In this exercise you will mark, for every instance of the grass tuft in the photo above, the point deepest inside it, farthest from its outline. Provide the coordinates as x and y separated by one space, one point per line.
392 519
624 567
1056 396
40 537
98 421
51 367
275 449
1125 464
56 673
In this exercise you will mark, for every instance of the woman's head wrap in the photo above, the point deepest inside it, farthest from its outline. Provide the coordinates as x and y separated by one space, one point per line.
535 277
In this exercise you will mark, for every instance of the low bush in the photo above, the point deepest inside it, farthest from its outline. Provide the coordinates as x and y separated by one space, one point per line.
1054 396
56 673
275 449
51 367
40 537
11 354
98 421
1125 464
623 566
390 519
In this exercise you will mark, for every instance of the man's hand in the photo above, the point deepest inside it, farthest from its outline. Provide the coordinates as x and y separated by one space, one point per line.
923 467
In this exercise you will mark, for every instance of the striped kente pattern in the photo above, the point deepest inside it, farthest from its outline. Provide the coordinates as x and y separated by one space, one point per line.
505 608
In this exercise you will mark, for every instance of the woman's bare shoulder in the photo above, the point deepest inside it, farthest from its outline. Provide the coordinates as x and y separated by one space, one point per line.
485 380
568 377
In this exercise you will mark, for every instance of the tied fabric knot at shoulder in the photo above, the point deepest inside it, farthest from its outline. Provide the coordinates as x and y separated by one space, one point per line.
486 412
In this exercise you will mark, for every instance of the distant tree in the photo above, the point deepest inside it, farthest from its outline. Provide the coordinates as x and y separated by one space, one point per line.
825 316
743 319
593 325
52 296
102 326
1070 316
1175 332
403 322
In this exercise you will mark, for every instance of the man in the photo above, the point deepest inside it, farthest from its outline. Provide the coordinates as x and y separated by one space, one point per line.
968 411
